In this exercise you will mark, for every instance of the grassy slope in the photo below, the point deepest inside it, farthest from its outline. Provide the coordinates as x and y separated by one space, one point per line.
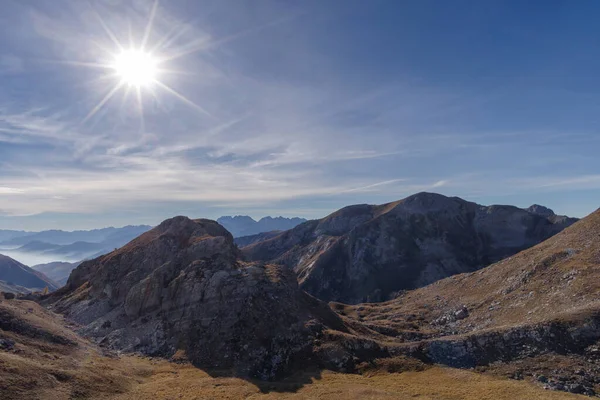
50 362
557 278
171 381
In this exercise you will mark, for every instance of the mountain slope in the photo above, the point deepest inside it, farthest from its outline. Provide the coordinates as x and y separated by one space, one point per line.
244 241
560 275
42 358
535 314
58 271
367 253
243 225
181 288
13 273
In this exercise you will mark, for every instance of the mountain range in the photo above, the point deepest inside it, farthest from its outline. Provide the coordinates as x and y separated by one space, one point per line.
69 246
487 292
243 225
59 237
184 291
370 253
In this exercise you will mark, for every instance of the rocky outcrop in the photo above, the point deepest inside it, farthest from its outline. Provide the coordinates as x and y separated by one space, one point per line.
181 289
540 210
486 347
368 253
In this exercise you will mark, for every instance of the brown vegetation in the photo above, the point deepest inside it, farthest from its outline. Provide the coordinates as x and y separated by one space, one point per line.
46 360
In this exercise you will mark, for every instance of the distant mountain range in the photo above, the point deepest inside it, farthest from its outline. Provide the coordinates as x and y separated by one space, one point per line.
58 245
243 225
55 254
59 237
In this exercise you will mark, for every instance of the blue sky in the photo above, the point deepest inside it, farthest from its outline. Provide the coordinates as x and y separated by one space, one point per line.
295 108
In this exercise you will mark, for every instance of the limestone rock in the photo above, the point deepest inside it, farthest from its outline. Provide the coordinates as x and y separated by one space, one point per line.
182 287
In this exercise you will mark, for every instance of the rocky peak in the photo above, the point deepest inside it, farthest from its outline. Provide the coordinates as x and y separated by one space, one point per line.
540 210
182 288
180 240
186 230
345 219
425 202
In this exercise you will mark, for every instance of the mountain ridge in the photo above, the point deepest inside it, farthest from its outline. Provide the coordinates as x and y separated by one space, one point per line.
367 252
181 290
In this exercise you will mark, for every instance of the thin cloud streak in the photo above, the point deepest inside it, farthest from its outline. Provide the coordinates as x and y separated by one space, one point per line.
288 126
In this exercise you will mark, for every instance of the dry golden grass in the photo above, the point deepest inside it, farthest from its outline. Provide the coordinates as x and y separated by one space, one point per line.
170 381
39 369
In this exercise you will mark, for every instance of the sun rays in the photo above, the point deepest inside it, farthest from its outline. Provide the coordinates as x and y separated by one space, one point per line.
140 68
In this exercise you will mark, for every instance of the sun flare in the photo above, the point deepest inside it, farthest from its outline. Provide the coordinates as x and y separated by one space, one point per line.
141 66
136 68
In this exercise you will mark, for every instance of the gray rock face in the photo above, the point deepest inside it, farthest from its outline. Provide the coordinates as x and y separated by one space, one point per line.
244 241
366 253
181 287
485 347
540 210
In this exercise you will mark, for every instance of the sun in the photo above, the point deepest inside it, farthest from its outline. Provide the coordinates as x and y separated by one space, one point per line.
136 68
141 66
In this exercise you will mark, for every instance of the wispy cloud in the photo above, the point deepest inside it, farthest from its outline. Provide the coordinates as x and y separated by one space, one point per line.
286 124
34 126
9 190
